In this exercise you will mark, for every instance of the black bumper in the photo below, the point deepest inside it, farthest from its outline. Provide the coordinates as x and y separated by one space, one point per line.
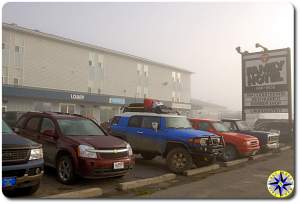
209 151
27 174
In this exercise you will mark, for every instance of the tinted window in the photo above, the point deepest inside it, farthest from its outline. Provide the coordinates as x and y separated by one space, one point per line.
20 122
203 126
178 122
47 124
80 127
5 128
220 127
147 122
33 124
135 121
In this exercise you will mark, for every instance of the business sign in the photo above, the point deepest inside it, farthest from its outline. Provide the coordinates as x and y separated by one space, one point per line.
181 106
117 101
266 81
77 96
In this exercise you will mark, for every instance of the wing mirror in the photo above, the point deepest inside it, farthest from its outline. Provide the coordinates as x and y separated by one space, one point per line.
16 130
49 132
155 126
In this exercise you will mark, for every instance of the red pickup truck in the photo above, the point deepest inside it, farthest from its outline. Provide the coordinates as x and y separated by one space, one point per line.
237 144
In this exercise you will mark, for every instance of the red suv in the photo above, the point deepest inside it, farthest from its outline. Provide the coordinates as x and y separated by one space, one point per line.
76 145
237 144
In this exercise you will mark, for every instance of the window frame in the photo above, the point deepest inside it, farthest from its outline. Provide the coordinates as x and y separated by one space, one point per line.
43 119
38 125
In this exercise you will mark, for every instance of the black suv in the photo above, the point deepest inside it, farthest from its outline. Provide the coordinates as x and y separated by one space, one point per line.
22 163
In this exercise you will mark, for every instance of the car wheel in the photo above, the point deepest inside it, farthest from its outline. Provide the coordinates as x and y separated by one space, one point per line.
200 162
148 156
179 160
230 153
65 170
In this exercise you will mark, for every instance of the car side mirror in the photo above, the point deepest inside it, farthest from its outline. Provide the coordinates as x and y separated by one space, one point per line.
155 126
49 132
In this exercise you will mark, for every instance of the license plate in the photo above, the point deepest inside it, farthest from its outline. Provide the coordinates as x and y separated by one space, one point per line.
118 165
9 181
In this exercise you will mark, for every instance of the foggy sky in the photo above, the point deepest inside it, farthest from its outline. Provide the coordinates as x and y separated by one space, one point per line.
200 37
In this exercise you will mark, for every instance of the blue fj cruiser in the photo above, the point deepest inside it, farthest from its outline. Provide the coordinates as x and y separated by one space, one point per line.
171 136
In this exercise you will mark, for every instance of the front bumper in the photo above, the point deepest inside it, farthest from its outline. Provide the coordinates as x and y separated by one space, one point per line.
272 146
27 175
209 151
249 151
103 168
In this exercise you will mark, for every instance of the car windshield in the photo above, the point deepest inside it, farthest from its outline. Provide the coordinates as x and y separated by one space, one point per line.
177 122
5 128
220 127
79 127
242 125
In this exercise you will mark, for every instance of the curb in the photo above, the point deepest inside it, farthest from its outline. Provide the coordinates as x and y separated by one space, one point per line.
205 169
285 148
235 162
86 193
259 156
144 182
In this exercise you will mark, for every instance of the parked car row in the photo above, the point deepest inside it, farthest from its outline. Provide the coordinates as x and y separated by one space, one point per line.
77 146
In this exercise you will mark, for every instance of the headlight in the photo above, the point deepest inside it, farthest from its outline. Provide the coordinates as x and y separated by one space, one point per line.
84 151
130 152
201 141
36 154
248 143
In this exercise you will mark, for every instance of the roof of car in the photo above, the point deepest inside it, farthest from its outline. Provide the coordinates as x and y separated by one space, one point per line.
128 114
204 119
231 119
58 114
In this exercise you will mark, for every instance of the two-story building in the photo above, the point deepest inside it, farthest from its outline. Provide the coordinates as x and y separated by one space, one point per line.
45 72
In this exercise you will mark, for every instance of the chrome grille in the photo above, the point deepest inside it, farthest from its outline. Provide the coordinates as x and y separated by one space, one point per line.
15 155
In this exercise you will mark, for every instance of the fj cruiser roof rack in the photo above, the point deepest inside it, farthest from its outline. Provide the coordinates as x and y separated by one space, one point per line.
150 106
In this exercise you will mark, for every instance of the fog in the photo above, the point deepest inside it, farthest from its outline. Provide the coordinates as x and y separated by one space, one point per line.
200 37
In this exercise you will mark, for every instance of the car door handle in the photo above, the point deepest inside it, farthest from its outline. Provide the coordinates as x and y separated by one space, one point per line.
140 132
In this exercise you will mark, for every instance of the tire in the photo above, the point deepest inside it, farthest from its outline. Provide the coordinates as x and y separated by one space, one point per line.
148 156
179 160
230 153
65 170
199 162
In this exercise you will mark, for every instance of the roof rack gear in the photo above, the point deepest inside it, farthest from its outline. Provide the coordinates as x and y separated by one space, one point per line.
150 106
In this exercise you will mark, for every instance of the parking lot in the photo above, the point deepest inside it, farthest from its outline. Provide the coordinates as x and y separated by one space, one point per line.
148 169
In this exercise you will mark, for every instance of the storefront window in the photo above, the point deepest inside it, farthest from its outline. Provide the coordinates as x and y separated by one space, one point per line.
67 108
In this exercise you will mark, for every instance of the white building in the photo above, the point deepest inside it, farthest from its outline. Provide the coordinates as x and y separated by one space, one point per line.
45 72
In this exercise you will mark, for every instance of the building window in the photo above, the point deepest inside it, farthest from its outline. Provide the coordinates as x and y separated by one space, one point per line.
18 56
173 96
67 108
4 75
138 91
174 76
139 69
16 81
179 77
99 91
89 90
5 54
178 97
146 94
90 63
146 70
